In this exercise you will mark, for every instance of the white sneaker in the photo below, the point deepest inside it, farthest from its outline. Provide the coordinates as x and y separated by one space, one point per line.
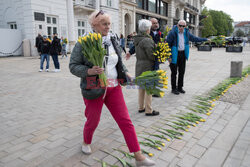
145 162
40 70
86 149
47 70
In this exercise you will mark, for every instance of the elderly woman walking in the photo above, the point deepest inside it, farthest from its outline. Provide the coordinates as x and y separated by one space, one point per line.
145 61
112 95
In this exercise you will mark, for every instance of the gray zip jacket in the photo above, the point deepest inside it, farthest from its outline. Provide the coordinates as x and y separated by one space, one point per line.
79 66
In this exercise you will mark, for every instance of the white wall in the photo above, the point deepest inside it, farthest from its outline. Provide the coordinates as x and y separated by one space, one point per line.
52 8
113 11
10 41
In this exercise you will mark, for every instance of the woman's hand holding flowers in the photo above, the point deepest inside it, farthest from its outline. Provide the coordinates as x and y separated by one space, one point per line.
95 70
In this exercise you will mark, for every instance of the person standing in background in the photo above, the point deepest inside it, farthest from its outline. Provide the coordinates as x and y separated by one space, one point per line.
39 39
122 43
44 46
178 40
64 42
55 50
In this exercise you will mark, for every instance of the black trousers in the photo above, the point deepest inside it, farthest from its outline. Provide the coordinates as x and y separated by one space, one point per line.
180 67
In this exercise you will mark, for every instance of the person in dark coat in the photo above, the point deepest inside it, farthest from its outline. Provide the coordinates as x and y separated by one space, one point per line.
55 51
44 46
145 60
39 39
156 36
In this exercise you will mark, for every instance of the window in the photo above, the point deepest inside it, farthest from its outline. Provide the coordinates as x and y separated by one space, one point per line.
187 19
39 16
49 32
152 6
163 8
12 25
80 27
109 3
48 20
54 20
51 20
140 3
51 26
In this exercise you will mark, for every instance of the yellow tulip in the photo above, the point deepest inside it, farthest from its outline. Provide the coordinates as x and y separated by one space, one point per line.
79 40
95 36
150 154
165 87
162 94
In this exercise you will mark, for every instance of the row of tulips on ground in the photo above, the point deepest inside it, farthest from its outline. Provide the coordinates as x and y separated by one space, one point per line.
179 123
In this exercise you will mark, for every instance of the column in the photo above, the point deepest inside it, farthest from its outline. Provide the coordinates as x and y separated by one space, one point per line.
171 14
71 26
97 5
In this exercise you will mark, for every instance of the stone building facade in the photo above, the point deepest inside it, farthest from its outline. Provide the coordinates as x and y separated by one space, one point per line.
69 18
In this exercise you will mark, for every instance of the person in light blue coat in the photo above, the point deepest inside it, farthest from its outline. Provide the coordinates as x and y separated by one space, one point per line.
178 40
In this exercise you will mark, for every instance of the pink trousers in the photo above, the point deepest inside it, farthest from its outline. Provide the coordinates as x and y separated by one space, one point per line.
114 101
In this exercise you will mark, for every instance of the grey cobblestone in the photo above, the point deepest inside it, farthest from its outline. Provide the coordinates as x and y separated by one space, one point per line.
238 152
33 154
199 134
15 163
218 127
183 152
231 162
188 161
55 143
212 134
197 151
169 155
55 123
18 147
177 145
205 141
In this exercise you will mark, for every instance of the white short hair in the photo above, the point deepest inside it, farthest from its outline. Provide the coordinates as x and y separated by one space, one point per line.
182 21
144 25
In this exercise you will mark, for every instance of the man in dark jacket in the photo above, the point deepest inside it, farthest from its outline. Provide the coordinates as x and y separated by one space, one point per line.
55 51
156 35
39 39
178 40
44 46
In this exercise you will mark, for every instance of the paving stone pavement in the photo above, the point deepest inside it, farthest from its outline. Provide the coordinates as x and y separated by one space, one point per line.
41 117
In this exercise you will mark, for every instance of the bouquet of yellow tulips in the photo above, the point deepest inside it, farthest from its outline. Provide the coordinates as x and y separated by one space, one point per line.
162 52
165 33
153 82
92 49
